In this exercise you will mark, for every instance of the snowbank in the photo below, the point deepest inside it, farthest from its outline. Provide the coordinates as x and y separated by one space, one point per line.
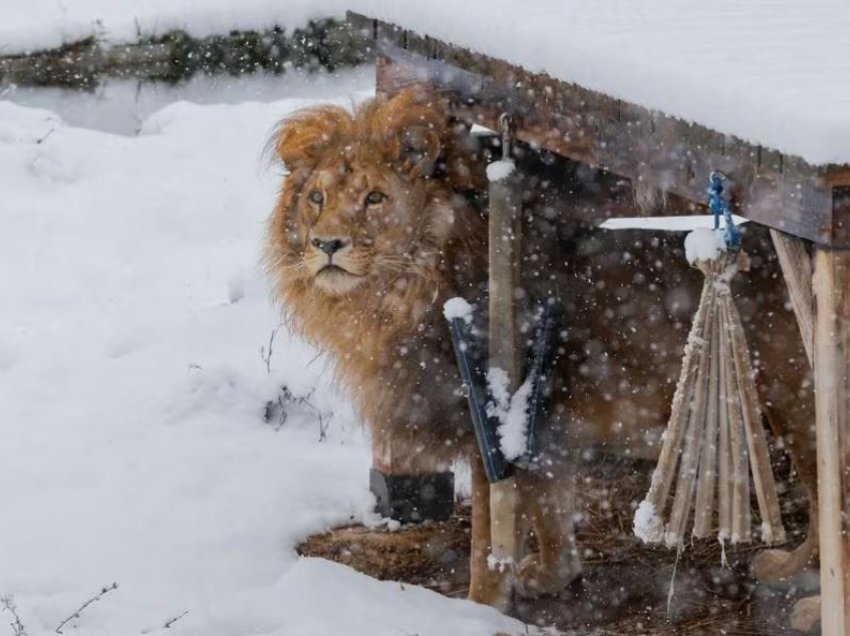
120 105
131 385
133 389
43 24
773 73
319 598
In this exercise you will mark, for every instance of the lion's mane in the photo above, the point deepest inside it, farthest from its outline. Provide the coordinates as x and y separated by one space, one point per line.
388 339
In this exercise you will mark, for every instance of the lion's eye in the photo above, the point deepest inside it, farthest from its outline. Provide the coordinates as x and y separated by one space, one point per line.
316 197
375 197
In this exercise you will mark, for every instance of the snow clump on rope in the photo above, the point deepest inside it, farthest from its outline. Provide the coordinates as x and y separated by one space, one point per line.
457 307
648 525
704 245
499 170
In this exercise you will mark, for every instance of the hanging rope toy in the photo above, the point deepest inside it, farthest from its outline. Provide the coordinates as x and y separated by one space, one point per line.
714 439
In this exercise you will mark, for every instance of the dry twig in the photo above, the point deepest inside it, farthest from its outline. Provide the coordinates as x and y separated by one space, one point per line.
8 603
266 354
171 621
103 592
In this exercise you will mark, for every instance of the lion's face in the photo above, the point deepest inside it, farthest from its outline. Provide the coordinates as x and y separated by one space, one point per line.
358 221
369 201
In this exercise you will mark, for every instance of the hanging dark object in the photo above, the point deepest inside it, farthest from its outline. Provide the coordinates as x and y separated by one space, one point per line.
714 440
507 411
471 365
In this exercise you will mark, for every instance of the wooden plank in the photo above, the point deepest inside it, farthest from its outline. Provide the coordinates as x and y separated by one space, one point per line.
764 484
832 370
391 33
368 27
796 267
780 191
505 238
484 584
707 477
841 213
838 177
418 44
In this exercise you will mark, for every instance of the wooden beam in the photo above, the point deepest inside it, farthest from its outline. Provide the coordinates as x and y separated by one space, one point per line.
778 190
775 565
832 407
505 237
796 267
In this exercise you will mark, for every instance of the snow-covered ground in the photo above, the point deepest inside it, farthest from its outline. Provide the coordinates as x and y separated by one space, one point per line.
132 442
121 105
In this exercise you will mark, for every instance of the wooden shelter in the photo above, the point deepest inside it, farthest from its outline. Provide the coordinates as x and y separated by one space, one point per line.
806 206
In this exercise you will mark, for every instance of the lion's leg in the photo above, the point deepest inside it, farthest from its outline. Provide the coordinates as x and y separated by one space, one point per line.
774 565
485 585
550 501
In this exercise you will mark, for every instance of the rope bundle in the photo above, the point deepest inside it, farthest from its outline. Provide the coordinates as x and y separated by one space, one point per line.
714 439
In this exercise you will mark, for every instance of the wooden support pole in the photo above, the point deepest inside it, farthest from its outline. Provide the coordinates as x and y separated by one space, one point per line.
739 467
687 476
796 267
765 487
724 496
665 470
504 251
832 370
776 564
707 481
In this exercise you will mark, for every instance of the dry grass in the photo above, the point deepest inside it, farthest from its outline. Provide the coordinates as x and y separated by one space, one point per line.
625 584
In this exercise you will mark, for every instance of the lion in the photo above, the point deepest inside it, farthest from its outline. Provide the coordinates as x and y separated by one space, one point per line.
378 223
375 227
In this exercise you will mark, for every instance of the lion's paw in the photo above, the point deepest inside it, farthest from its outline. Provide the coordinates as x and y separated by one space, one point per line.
535 578
775 566
493 589
806 614
771 565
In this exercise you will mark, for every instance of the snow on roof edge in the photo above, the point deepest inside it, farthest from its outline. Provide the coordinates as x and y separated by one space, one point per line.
772 74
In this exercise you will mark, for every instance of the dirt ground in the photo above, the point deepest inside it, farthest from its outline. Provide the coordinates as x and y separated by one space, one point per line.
625 588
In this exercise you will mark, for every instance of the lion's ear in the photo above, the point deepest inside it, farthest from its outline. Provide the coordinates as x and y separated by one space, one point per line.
411 128
303 138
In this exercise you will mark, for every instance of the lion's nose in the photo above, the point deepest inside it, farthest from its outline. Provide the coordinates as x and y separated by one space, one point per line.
330 246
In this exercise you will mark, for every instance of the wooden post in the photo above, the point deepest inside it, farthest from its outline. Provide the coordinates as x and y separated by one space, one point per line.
504 252
796 267
832 371
777 564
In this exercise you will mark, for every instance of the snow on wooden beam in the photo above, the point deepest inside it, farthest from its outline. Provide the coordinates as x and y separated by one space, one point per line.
778 190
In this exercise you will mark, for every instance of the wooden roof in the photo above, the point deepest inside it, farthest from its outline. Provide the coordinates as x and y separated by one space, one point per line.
775 189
